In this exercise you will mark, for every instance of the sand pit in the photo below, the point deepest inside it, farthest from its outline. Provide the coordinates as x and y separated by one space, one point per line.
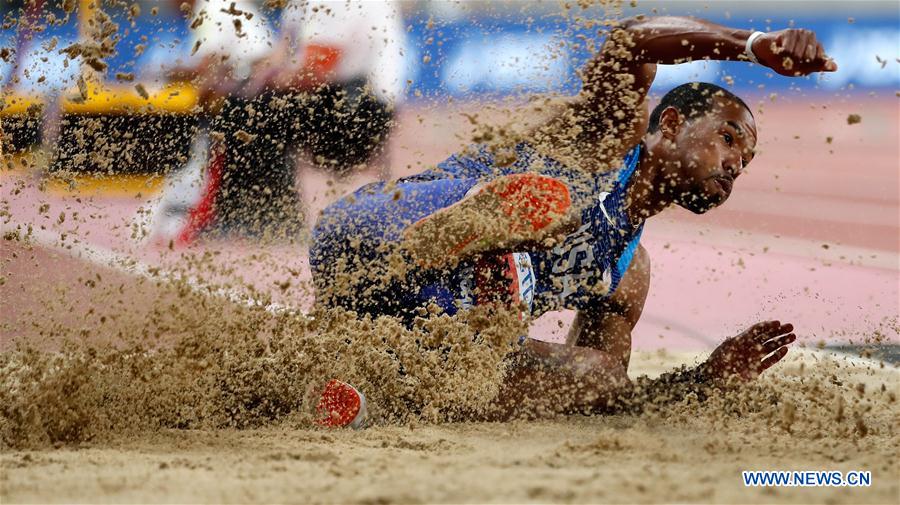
692 456
815 411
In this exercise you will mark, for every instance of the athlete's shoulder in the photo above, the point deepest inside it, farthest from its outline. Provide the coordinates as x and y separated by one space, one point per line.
632 158
619 177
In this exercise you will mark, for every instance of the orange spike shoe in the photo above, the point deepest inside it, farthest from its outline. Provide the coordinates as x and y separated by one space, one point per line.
341 405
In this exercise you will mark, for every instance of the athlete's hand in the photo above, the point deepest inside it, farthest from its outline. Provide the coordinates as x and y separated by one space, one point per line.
792 52
750 353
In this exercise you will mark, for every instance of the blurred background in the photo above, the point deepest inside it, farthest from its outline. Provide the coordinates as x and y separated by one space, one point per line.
447 49
106 116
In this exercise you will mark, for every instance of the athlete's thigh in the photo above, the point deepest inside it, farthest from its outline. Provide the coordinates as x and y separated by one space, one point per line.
379 212
356 236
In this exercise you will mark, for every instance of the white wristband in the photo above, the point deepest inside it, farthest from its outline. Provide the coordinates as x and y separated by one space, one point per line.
748 49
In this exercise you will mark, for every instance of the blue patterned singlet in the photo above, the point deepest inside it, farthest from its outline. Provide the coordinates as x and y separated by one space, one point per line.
585 268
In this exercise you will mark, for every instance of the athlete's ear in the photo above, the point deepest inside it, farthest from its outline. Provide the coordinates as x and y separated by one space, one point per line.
670 122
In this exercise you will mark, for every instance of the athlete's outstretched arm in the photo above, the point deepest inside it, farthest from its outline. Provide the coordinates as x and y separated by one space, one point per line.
671 40
616 80
589 372
548 379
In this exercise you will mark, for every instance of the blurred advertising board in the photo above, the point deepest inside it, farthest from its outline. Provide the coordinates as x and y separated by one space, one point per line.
484 51
494 51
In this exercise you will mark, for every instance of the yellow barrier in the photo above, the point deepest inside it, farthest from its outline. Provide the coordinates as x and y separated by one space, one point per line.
112 99
14 105
176 98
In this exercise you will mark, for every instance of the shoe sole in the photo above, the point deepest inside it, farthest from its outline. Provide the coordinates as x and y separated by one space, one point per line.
341 405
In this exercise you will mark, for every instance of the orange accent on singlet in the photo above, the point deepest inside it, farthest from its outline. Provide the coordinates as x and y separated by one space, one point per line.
319 63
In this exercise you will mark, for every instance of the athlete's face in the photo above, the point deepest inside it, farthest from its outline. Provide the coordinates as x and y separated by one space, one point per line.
712 151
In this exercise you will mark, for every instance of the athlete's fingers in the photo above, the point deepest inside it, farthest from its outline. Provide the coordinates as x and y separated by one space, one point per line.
775 343
777 46
821 58
776 329
785 328
809 45
754 332
798 42
774 358
762 331
769 325
799 46
809 53
811 48
827 64
773 331
806 39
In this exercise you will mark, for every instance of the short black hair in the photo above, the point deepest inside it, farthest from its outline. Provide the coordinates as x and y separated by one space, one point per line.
692 99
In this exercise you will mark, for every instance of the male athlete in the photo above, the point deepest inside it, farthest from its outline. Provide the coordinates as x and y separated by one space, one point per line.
555 221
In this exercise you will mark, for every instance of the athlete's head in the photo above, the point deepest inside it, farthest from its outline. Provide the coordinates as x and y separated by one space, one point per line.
707 136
